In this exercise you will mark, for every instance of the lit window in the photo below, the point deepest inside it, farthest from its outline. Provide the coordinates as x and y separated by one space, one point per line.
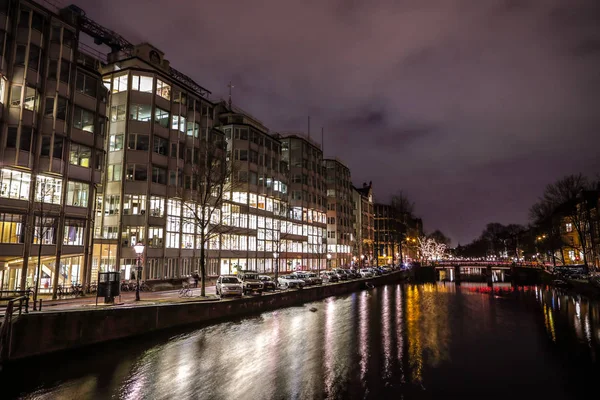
155 237
44 230
157 206
120 83
163 89
117 113
134 204
77 194
113 172
80 155
74 230
142 83
569 227
136 172
115 142
11 228
48 189
14 184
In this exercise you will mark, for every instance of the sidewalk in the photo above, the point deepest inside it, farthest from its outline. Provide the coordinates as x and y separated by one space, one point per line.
127 299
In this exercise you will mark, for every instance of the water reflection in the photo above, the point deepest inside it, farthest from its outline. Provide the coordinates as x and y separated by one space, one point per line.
418 341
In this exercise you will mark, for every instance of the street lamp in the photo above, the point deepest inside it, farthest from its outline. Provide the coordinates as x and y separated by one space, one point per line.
139 249
276 257
362 260
328 260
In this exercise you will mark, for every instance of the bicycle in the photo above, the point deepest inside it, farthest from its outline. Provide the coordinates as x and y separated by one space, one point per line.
185 291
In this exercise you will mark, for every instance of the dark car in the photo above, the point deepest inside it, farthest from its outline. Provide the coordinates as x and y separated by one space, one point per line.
268 283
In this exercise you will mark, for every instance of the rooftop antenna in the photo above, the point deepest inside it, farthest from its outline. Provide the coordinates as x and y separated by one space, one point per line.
230 86
309 127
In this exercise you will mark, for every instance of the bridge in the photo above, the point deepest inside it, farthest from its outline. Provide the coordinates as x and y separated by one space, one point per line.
485 264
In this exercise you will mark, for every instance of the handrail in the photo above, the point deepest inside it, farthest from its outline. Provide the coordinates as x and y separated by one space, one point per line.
6 328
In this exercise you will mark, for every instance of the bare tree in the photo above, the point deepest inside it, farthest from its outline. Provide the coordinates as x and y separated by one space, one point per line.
564 198
212 176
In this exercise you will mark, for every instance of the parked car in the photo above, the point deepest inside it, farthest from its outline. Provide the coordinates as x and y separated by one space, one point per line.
341 274
250 282
228 285
329 277
290 282
366 273
316 278
268 283
303 276
354 273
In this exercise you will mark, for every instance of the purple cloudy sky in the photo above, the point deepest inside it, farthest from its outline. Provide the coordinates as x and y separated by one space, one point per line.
470 107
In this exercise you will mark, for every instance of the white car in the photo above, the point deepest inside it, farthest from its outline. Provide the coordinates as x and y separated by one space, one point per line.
366 273
290 281
228 285
303 276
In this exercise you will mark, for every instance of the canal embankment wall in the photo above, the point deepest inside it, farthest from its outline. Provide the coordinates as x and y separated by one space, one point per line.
37 334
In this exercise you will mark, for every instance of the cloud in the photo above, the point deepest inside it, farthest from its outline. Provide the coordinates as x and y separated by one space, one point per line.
415 95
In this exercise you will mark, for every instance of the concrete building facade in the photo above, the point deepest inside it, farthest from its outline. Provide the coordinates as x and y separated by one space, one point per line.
340 229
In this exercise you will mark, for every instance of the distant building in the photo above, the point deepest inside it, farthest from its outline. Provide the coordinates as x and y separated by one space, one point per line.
364 223
390 231
340 229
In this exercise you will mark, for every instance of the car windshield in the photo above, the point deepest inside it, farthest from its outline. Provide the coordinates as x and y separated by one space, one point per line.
230 280
265 278
250 276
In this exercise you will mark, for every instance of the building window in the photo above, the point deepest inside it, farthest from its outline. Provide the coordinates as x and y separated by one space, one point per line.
15 95
140 112
83 119
86 84
74 230
569 227
44 230
119 83
48 189
155 237
77 194
14 184
80 155
115 142
137 172
159 175
163 89
30 100
114 172
161 117
61 108
132 235
20 54
117 113
68 38
138 141
65 71
178 123
112 204
161 146
142 83
34 57
134 204
193 128
157 206
11 228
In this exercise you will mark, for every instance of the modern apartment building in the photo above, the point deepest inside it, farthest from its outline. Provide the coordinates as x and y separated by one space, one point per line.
306 226
364 223
254 213
340 229
389 234
52 147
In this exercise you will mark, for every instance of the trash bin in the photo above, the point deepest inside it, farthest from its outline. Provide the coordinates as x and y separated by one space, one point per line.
109 286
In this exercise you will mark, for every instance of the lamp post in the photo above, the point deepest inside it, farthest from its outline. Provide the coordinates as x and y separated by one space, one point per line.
362 260
139 249
328 260
276 257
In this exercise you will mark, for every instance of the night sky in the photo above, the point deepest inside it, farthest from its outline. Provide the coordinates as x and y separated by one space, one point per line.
469 106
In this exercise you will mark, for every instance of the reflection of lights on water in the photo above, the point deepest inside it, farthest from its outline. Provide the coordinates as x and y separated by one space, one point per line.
549 322
363 331
328 343
578 309
588 329
399 331
385 315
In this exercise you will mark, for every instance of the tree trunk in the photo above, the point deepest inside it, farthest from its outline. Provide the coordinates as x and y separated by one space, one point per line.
38 273
202 264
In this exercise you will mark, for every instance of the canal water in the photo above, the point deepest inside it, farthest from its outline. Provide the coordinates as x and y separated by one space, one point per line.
397 341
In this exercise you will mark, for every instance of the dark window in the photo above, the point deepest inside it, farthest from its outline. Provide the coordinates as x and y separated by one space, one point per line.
101 125
37 21
25 139
86 84
46 143
24 18
34 57
57 151
160 145
20 56
52 69
11 137
56 33
49 108
64 71
15 95
83 119
174 150
61 108
159 175
68 37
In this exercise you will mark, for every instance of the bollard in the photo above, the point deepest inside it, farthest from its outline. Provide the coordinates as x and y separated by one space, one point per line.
40 307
